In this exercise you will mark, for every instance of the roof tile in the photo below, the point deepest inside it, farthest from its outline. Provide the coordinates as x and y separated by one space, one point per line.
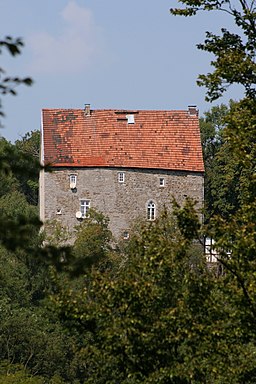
157 139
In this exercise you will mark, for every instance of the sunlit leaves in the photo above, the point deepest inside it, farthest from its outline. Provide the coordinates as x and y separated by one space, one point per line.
234 53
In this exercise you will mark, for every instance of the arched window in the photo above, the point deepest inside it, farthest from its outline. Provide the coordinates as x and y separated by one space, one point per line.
151 210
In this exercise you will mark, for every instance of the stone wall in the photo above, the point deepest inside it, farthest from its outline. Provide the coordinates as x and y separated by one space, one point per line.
123 202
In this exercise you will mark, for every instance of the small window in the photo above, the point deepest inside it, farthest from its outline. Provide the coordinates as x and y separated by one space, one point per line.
84 208
130 119
126 235
121 177
161 182
72 181
151 210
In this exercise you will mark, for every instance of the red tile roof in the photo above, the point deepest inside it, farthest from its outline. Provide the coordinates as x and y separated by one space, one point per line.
156 139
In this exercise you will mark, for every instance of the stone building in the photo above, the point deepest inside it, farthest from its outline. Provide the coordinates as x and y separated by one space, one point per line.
127 164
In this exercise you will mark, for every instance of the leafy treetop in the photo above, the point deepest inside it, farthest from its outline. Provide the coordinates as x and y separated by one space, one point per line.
234 53
9 83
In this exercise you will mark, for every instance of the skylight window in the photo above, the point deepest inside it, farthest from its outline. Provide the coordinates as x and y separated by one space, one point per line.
130 119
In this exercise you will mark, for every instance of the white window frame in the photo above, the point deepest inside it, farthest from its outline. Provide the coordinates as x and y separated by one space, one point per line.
121 177
162 182
85 205
130 118
72 180
151 210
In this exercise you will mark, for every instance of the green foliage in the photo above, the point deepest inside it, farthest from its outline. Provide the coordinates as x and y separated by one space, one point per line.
233 195
187 220
222 171
211 127
120 316
238 234
18 218
29 146
92 245
30 334
161 319
17 374
161 316
19 222
34 347
164 317
234 53
9 83
230 180
29 338
55 233
17 161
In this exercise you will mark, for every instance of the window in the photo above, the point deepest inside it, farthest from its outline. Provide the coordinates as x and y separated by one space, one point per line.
130 119
126 235
161 182
151 210
121 177
72 181
84 207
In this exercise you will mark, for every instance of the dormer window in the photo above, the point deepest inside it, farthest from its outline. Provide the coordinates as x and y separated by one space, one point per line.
130 119
72 181
121 177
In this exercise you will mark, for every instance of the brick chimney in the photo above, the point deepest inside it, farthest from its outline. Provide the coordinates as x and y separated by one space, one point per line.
192 110
87 109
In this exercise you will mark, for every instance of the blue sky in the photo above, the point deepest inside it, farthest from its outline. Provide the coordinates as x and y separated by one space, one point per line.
112 54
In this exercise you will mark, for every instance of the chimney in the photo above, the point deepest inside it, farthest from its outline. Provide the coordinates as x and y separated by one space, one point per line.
192 110
87 109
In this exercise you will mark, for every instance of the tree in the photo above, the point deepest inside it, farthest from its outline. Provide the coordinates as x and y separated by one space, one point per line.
14 232
31 336
17 374
29 146
92 244
234 54
235 235
21 163
235 63
163 318
211 127
33 345
223 173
